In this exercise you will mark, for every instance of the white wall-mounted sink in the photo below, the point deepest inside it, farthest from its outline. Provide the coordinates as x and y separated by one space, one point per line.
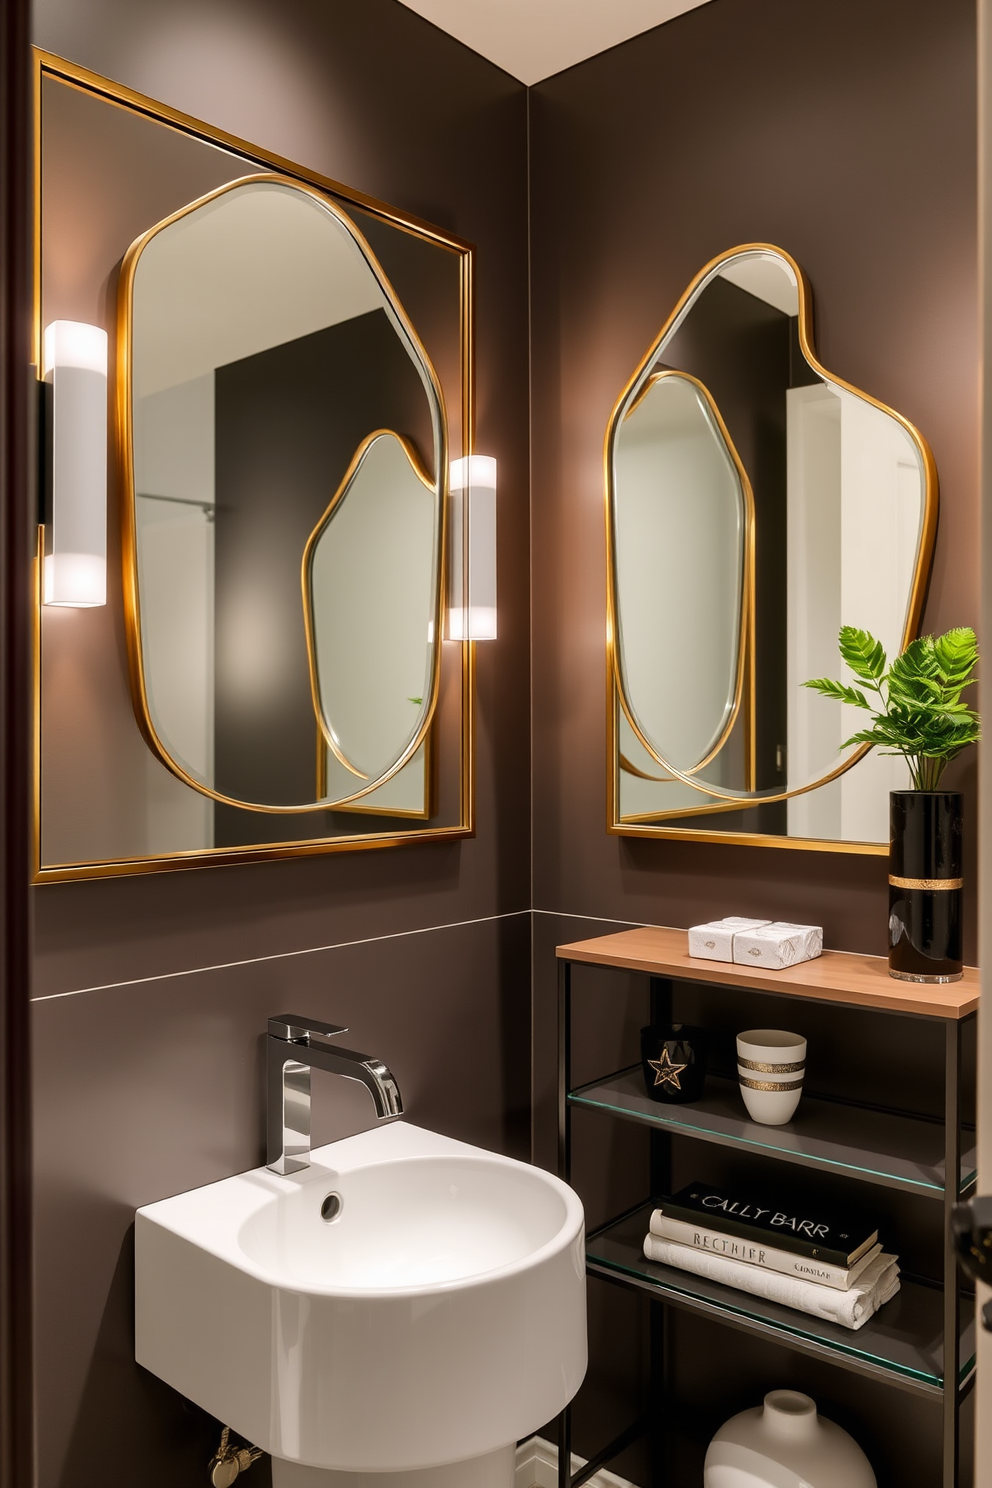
437 1317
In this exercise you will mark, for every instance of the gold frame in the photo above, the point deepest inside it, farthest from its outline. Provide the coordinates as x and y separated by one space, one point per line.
625 827
125 463
410 813
47 65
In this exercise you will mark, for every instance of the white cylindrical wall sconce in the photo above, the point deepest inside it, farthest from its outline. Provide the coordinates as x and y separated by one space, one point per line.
75 364
472 607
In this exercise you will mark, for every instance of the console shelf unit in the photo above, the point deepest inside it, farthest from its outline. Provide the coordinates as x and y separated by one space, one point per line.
903 1345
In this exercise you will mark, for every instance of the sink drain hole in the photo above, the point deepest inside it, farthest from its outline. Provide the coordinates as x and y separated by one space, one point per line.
331 1208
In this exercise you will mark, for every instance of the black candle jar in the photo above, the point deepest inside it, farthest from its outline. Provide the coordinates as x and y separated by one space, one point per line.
925 886
673 1058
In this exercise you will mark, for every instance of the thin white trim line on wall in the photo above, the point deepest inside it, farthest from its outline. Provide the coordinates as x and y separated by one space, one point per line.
567 914
338 945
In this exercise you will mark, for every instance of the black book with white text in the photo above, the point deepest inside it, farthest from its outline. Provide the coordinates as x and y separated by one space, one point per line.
805 1229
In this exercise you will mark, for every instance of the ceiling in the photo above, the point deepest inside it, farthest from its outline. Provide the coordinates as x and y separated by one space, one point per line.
534 38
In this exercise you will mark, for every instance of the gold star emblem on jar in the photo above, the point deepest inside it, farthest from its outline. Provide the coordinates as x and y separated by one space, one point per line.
667 1073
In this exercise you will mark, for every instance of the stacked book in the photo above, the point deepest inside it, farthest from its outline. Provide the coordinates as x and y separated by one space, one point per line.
830 1266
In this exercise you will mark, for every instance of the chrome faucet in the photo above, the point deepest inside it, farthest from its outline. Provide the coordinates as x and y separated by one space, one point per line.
294 1046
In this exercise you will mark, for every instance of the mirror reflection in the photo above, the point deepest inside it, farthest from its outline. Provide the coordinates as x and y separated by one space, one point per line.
681 488
756 503
370 618
287 438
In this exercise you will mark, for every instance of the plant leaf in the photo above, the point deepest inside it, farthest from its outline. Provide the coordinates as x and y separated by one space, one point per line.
957 655
862 653
839 691
920 713
916 673
863 736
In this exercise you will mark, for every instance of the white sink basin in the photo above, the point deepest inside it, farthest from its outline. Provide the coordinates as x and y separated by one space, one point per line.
438 1317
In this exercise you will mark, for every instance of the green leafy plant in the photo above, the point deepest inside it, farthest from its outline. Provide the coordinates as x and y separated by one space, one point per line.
919 713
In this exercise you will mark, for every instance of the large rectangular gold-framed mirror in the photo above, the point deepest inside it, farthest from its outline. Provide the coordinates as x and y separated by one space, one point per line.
290 378
755 503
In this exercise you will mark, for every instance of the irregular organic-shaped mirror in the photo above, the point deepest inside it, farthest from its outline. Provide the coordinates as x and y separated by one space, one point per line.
756 502
681 488
370 597
282 424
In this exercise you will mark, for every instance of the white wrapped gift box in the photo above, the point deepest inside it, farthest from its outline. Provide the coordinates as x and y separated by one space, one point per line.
715 941
777 945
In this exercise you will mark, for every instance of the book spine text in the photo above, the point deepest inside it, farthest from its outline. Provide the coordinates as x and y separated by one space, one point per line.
757 1234
754 1253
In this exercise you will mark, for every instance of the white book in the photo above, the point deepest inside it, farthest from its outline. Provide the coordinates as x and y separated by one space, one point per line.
733 1248
850 1309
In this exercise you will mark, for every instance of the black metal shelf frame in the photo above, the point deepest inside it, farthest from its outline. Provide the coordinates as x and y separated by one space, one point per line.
889 1149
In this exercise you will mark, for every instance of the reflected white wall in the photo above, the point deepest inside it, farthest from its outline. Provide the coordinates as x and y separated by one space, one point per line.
174 471
850 563
372 589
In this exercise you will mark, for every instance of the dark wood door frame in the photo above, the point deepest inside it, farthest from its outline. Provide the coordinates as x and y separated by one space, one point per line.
16 523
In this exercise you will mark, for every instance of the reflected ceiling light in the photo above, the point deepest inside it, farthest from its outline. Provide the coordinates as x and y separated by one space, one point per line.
75 366
472 610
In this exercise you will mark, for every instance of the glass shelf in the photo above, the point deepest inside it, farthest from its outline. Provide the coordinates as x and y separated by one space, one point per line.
901 1152
902 1342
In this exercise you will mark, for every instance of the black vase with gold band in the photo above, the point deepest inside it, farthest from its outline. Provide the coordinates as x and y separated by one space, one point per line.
925 885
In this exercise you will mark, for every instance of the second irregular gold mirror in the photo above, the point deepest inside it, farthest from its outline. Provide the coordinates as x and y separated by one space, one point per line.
755 503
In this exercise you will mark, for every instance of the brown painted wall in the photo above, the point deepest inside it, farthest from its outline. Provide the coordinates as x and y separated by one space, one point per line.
846 134
149 1082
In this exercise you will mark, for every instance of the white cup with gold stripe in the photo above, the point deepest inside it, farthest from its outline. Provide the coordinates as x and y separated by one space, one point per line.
770 1067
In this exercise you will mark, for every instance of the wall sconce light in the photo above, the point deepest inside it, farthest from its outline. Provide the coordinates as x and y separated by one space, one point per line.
75 365
472 609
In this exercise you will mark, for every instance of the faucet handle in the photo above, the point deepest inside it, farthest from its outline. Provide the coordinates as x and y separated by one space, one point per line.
298 1030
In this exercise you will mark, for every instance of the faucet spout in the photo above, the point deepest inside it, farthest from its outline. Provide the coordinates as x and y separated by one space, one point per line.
294 1046
372 1073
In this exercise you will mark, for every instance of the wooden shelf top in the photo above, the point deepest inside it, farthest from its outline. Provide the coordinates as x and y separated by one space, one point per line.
836 976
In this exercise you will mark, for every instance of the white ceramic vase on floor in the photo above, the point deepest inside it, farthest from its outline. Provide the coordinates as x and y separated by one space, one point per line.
785 1444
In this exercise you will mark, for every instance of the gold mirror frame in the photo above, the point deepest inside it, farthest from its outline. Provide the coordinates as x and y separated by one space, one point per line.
125 465
722 800
47 65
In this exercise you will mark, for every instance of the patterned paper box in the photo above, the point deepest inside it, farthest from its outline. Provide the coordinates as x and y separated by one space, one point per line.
778 945
715 941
